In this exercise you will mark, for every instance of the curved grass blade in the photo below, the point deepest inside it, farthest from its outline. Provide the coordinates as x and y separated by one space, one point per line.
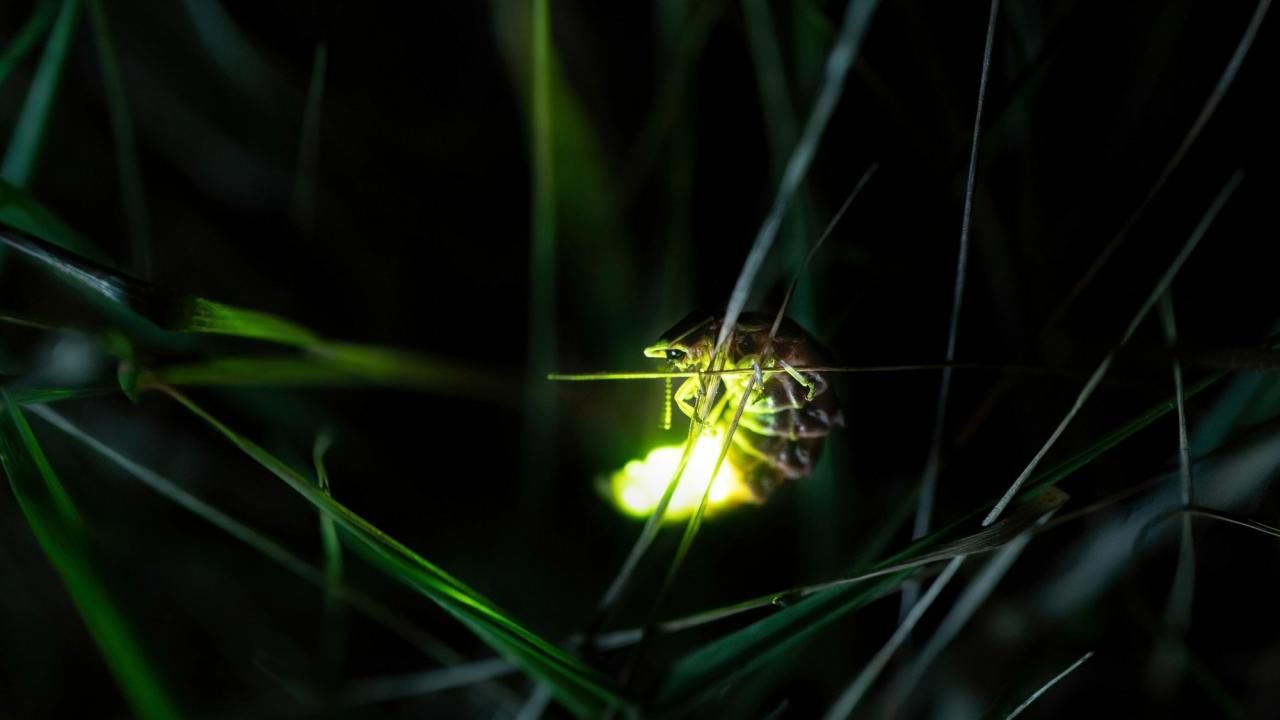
260 543
21 44
57 526
857 18
1045 688
581 689
28 136
126 146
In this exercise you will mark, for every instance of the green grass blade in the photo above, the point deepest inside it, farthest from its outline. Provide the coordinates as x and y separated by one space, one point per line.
47 509
25 39
857 18
28 136
579 688
262 544
334 629
19 211
540 409
126 146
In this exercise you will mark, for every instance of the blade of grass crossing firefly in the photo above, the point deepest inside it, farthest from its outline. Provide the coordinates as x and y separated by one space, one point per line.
24 41
763 641
60 533
1085 392
857 18
28 136
579 688
126 146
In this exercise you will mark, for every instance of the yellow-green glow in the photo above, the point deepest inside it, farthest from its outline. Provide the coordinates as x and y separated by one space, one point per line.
639 485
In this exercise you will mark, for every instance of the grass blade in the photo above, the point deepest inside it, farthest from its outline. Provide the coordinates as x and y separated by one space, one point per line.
849 699
28 136
126 146
579 688
857 17
929 478
57 527
25 40
1182 592
540 408
1206 112
267 547
304 188
1161 286
332 636
1044 688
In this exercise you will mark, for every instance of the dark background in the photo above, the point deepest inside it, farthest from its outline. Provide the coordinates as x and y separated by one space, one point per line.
665 166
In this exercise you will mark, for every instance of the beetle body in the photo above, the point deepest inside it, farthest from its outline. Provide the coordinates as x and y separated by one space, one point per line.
789 414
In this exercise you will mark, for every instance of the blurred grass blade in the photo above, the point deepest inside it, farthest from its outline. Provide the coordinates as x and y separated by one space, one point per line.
1202 119
538 431
48 510
304 188
126 146
260 543
21 44
1085 392
399 687
333 632
28 136
849 699
856 19
1044 688
1182 592
19 211
578 687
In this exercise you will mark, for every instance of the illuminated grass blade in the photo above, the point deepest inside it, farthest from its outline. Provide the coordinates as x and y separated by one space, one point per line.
21 44
28 136
1045 688
126 147
1085 392
579 688
61 534
856 19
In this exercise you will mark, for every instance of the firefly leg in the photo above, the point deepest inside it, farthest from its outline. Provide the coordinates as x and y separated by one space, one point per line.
810 385
686 397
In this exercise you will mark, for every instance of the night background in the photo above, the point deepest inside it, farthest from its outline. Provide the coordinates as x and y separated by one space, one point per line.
308 462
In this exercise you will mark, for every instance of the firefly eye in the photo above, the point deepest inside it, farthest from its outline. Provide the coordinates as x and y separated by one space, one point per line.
674 355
